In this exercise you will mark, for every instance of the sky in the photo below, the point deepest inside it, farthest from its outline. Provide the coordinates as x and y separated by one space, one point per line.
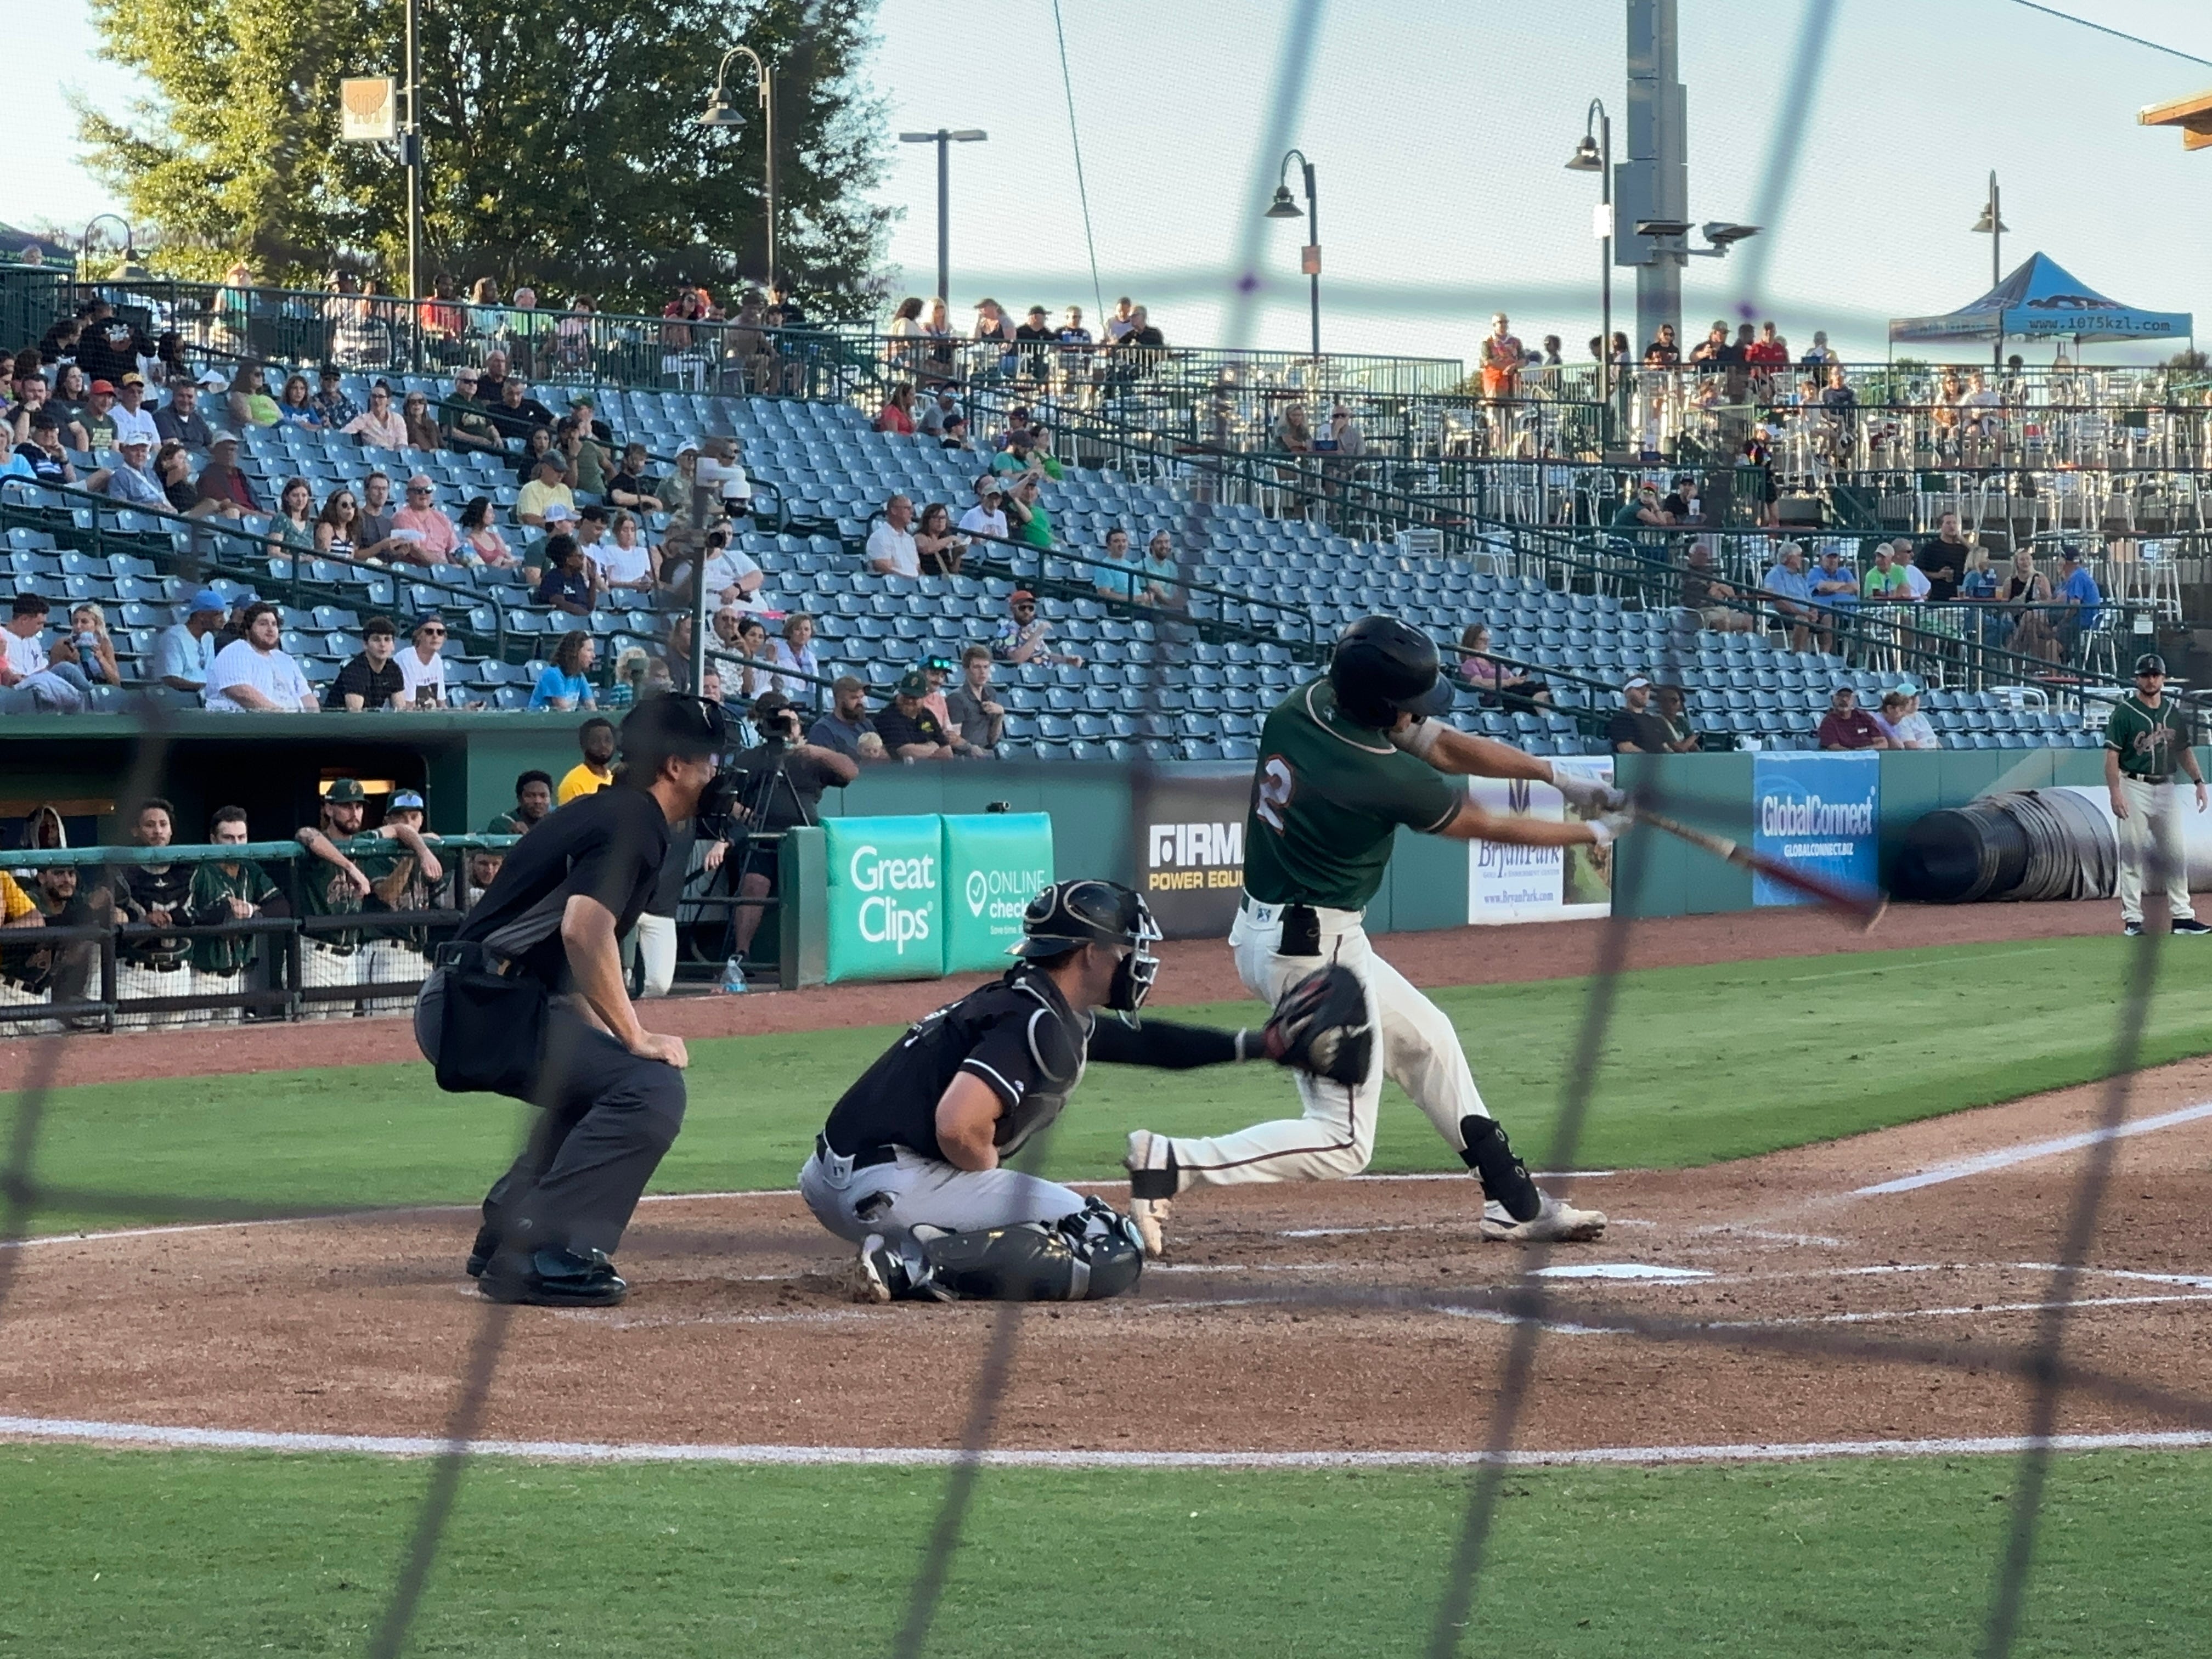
1438 129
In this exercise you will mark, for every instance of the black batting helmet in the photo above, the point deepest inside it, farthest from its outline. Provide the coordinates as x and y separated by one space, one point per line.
1072 914
1382 669
2150 663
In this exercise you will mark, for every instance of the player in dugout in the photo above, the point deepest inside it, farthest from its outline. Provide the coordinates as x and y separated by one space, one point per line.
914 1165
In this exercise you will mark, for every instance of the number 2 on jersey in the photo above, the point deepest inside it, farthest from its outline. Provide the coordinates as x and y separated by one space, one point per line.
1277 784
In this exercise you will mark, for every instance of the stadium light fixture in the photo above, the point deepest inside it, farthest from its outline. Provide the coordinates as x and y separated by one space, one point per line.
1593 153
1991 224
722 113
1309 256
944 138
1721 233
1665 227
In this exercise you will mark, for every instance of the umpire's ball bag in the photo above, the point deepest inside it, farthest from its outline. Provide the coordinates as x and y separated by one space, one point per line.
494 1028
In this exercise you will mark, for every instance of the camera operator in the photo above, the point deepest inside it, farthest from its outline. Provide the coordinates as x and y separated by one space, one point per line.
782 786
528 1000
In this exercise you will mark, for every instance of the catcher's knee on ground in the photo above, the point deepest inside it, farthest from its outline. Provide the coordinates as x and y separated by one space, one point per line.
1082 1257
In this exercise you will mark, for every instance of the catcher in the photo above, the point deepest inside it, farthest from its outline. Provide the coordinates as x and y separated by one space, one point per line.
912 1166
1343 762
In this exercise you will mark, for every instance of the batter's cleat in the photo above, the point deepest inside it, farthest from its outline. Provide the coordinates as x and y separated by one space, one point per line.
554 1278
2190 924
1557 1223
1149 1161
2132 930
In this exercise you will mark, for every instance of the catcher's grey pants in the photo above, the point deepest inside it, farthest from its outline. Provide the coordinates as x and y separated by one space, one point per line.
606 1119
914 1191
1417 1048
2151 840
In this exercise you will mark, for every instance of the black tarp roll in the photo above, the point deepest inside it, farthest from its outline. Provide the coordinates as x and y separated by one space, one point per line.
2035 844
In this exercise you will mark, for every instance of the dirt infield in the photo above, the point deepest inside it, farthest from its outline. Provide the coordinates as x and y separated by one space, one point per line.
1242 1341
1197 971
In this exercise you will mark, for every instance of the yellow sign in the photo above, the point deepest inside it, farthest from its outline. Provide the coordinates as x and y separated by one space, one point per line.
368 108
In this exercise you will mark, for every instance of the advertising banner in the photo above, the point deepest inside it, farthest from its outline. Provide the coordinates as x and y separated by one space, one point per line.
1537 884
886 898
1817 812
994 864
1190 844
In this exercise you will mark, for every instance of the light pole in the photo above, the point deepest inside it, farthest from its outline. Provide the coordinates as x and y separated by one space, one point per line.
84 248
942 138
720 112
1595 154
1991 224
411 158
1309 256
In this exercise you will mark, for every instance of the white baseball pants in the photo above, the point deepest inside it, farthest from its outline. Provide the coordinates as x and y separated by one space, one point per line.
1417 1048
653 939
2151 837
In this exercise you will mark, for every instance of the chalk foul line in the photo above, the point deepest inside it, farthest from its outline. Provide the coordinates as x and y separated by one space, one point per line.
2005 1156
583 1451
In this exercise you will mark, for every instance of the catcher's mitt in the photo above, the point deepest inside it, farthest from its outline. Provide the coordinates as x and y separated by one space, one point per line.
1321 1026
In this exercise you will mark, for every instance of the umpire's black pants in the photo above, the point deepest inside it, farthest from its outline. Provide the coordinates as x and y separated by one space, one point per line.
606 1118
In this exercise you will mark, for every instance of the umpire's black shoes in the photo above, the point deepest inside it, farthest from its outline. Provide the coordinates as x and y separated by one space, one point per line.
481 1252
2190 924
554 1278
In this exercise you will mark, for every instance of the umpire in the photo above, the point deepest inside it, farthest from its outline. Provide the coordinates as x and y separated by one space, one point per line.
528 1000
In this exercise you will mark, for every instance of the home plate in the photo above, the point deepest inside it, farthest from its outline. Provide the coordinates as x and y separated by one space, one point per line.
1618 1270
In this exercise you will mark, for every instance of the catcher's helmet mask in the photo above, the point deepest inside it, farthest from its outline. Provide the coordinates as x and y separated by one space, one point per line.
1070 914
1383 668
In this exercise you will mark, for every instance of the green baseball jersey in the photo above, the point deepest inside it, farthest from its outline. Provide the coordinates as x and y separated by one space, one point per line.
325 889
2149 740
212 884
1328 796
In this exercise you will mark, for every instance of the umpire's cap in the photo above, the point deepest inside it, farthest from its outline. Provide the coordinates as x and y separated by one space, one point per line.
670 727
2149 663
1383 668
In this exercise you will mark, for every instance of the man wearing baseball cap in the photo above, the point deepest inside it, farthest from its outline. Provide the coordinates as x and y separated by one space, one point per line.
97 418
184 651
222 484
2148 736
909 731
131 480
987 517
131 414
547 484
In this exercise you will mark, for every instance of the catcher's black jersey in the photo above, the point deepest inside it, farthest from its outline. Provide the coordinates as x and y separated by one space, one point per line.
1018 1034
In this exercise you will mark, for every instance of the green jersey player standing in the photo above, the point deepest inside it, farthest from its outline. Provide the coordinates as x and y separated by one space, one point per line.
1344 761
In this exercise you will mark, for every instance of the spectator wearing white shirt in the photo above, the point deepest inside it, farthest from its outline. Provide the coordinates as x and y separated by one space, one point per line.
720 471
184 651
1915 579
131 417
986 517
795 651
890 544
379 426
732 578
1903 723
626 564
420 665
252 675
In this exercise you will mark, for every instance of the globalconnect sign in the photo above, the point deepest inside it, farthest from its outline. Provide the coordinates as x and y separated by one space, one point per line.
1817 812
916 897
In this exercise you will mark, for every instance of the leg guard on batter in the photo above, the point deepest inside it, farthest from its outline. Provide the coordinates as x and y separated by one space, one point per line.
1091 1254
1503 1176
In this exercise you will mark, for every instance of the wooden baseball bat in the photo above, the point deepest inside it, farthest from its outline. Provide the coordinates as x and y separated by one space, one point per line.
1861 902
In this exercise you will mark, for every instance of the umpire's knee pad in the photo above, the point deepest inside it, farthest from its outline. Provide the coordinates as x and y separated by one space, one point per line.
1091 1254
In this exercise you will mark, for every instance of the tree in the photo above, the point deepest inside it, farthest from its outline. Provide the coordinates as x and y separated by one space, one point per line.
560 144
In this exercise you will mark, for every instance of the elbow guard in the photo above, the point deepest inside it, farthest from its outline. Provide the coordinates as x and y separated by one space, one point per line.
1418 738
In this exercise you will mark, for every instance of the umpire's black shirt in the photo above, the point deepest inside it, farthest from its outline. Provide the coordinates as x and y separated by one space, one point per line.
608 846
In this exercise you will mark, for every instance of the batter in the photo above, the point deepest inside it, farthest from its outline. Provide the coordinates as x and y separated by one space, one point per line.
1343 761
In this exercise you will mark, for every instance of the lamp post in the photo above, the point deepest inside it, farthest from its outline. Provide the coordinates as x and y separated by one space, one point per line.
1595 154
1309 256
942 138
1991 224
720 112
130 245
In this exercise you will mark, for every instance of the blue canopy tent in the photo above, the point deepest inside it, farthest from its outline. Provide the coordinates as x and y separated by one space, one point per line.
2041 300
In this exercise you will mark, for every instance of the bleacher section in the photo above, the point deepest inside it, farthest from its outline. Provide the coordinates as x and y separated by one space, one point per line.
1150 682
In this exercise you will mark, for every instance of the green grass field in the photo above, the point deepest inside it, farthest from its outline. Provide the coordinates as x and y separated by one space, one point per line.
185 1555
154 1554
1700 1064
